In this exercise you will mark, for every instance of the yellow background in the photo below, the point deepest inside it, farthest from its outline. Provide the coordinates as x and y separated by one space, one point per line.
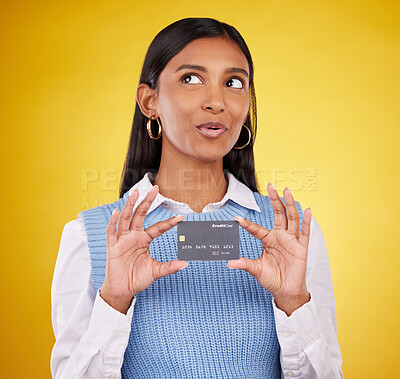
327 85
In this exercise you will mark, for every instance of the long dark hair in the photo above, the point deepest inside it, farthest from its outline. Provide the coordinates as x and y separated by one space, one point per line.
144 153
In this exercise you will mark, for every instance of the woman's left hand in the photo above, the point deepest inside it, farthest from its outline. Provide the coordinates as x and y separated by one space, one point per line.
281 268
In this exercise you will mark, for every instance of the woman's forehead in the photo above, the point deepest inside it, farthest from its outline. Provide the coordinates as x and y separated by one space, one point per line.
210 53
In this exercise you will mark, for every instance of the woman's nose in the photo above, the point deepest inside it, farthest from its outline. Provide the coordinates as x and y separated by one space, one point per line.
213 99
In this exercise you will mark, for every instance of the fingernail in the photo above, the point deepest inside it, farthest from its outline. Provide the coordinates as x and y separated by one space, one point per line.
239 218
177 216
183 267
272 186
287 188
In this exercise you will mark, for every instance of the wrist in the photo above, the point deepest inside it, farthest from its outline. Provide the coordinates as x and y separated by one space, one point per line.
121 304
290 304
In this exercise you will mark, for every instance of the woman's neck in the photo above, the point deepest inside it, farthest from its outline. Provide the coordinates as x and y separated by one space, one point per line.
195 186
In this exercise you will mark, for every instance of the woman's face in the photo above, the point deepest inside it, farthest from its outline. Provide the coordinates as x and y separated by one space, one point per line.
189 96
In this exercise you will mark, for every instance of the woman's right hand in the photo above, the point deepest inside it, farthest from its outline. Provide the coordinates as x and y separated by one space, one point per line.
129 266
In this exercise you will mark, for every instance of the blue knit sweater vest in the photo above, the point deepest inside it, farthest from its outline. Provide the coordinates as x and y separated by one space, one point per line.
206 321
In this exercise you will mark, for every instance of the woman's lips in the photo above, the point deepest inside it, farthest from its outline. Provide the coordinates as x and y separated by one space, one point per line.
212 133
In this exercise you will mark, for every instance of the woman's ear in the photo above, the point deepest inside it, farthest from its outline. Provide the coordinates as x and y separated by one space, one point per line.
146 99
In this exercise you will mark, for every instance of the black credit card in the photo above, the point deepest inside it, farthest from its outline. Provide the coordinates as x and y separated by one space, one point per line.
208 240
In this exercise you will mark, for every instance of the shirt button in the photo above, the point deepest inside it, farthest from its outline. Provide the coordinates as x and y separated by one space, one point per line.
120 334
113 375
290 373
286 334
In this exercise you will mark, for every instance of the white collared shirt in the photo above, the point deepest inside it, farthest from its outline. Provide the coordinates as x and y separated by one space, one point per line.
91 336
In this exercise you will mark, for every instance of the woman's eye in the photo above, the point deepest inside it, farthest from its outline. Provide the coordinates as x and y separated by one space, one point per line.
239 83
237 80
188 76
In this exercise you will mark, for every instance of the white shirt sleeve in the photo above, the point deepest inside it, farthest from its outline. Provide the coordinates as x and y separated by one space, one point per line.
309 345
91 336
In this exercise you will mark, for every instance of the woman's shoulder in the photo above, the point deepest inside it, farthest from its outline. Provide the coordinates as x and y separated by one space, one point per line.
102 212
74 228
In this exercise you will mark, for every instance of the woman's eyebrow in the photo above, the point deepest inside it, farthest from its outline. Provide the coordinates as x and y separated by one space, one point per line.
201 68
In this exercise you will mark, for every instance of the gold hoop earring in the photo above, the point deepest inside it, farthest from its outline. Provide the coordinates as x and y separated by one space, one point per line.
149 129
241 147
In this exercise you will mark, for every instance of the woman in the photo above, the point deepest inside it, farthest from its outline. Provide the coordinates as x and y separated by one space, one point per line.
123 304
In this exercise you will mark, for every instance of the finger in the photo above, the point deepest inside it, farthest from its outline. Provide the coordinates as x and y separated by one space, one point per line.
254 229
279 208
111 231
125 217
160 227
292 213
161 269
305 228
141 210
252 266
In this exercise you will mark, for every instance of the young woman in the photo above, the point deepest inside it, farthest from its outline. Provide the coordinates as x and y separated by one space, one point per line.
124 305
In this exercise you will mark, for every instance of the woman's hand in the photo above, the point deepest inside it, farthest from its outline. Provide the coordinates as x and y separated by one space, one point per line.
129 266
281 268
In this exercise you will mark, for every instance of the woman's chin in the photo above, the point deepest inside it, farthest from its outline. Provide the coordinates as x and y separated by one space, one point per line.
209 153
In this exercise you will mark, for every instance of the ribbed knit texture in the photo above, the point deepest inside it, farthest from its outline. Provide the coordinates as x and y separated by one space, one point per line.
206 321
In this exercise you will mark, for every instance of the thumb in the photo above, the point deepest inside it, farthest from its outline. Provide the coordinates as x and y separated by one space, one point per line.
167 268
246 264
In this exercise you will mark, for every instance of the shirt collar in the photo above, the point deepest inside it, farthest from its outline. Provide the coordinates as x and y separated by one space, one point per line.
237 191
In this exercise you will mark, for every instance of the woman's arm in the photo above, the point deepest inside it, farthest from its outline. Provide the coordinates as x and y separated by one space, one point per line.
91 337
309 346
